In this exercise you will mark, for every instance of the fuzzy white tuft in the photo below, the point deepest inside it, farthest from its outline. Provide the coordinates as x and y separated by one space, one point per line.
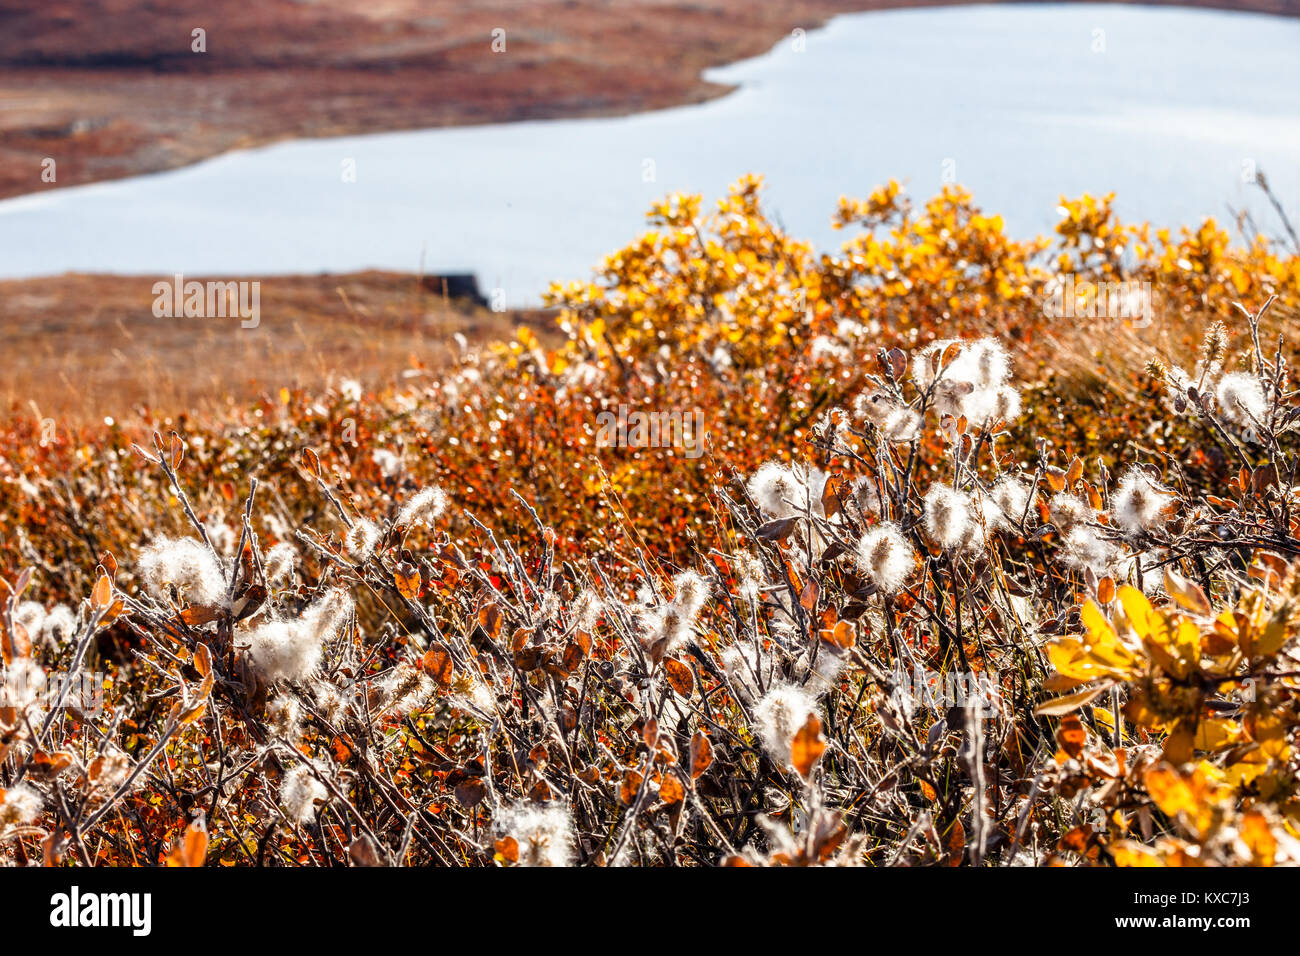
283 715
1006 504
1241 398
543 834
279 562
185 564
23 682
785 491
974 383
59 627
886 557
867 495
1068 510
401 690
949 516
424 507
586 610
291 650
299 792
668 625
362 539
20 805
896 421
1138 501
1085 549
779 715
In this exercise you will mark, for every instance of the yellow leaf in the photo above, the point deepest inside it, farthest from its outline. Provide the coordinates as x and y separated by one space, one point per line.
1173 642
1259 838
1215 735
1134 854
1068 703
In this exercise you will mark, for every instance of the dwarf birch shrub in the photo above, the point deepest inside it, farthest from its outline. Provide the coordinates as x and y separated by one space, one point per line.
946 587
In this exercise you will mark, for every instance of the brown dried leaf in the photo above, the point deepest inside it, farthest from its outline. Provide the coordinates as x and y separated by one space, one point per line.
701 754
671 789
193 849
679 676
311 461
1071 735
407 578
808 746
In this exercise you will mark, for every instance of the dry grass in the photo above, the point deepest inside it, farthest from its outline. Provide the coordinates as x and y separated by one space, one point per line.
87 346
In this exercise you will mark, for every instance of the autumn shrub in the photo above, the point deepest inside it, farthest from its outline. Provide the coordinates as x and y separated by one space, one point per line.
953 582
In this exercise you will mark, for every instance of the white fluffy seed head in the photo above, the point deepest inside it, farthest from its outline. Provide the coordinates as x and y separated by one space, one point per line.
750 576
902 425
279 562
784 491
874 405
897 422
292 650
59 627
299 792
31 615
1241 398
778 716
20 805
949 516
24 679
1006 406
974 383
748 667
283 715
867 495
543 834
402 690
1138 502
1068 510
586 609
185 564
362 539
223 537
885 556
1006 504
690 591
1085 549
989 362
981 364
424 507
668 625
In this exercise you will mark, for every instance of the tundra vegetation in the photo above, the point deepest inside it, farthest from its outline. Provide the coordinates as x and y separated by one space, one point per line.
953 582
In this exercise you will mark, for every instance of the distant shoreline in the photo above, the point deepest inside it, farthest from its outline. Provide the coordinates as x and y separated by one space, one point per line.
107 99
